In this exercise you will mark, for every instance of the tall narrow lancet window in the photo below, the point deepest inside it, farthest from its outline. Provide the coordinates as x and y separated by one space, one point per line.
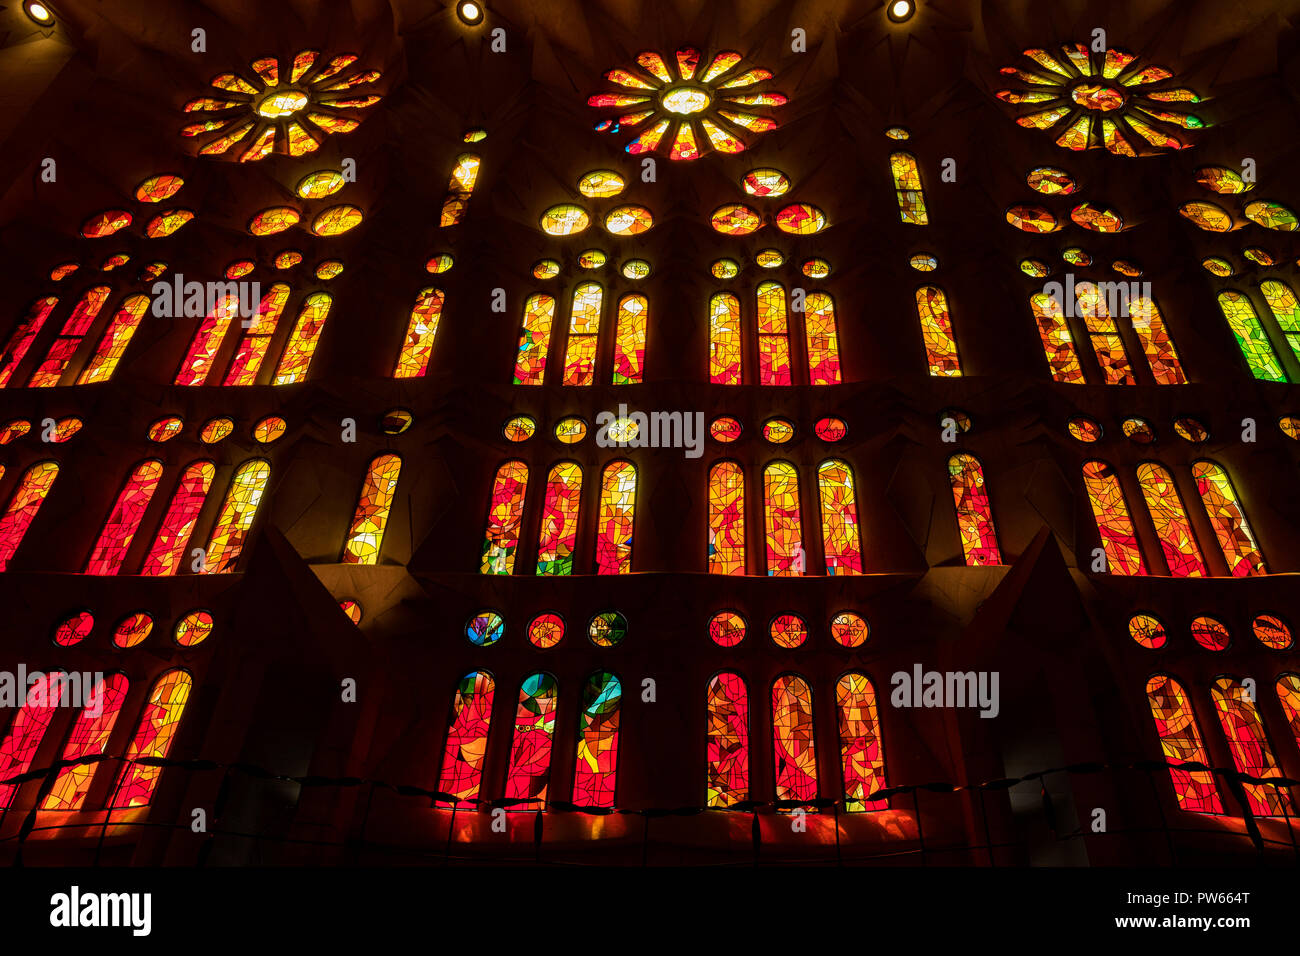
226 543
596 765
728 741
1180 739
459 189
1237 541
970 496
559 532
936 332
366 534
505 514
1114 525
124 519
251 351
1253 341
793 745
534 339
1251 754
1288 693
773 335
839 512
726 518
1107 343
616 517
1058 343
822 338
208 338
724 339
24 503
862 752
530 753
61 350
907 186
1282 303
784 529
1173 528
20 342
584 332
114 340
413 361
298 351
467 734
43 701
88 738
1157 343
153 738
168 548
629 340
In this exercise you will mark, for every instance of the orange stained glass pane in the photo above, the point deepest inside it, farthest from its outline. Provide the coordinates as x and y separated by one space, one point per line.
534 339
616 519
413 361
724 339
1288 692
726 518
1236 539
48 373
1157 343
226 542
300 348
132 629
18 748
629 339
596 765
936 331
251 351
467 736
1251 753
1058 345
862 753
794 746
112 344
164 225
459 189
160 187
16 348
1174 530
1181 742
207 340
559 533
839 512
736 219
801 219
822 339
979 540
784 529
1106 496
720 139
24 503
168 549
153 738
773 338
584 329
88 738
275 219
1104 333
366 534
124 519
215 430
728 741
907 185
530 753
505 513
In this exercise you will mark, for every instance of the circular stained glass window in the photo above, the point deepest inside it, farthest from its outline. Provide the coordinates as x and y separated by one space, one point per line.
519 428
570 431
849 629
1139 430
725 269
485 628
724 429
727 628
74 629
830 429
788 630
132 629
778 430
1147 630
546 630
607 629
1211 633
193 628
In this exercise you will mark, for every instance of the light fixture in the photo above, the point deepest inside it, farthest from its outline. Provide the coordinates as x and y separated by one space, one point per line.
470 12
900 10
39 13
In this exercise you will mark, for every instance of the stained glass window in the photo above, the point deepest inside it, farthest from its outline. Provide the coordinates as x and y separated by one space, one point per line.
724 339
114 340
629 339
794 747
907 183
784 529
584 329
1107 344
1058 344
726 518
614 523
42 702
728 741
1118 538
304 338
1251 753
559 530
420 333
1228 519
208 338
861 750
1282 303
459 189
467 734
979 540
534 338
773 335
1251 337
168 549
88 738
1172 525
26 500
1180 739
839 511
1157 343
153 738
226 542
24 335
124 519
48 373
505 513
366 534
530 754
596 765
1288 692
822 338
936 331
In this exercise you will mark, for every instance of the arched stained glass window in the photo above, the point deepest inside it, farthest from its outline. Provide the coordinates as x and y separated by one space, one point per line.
822 338
113 342
584 331
124 519
505 513
226 542
1181 742
773 335
559 534
728 741
459 189
366 535
467 734
1157 343
785 554
88 738
629 340
153 738
614 523
862 752
20 342
1288 693
534 339
207 340
1118 538
1228 519
936 331
251 351
1282 303
48 373
304 338
596 766
1058 344
413 361
979 539
1251 753
530 754
724 339
1253 341
839 508
726 518
794 747
26 500
907 184
1107 344
168 549
27 730
1172 526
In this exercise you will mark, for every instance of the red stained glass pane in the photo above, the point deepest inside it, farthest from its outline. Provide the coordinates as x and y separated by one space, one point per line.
466 748
728 741
1251 753
168 549
1181 742
505 513
726 519
861 749
26 500
794 747
26 731
559 532
596 766
89 738
153 738
530 754
124 520
979 540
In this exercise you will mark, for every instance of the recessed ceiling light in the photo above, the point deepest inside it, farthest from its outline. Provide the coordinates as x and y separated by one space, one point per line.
470 12
900 10
39 13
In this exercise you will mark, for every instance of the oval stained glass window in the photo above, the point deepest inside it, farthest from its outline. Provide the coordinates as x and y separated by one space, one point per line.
1189 429
1206 215
1217 266
635 269
1222 180
288 259
106 223
193 628
565 219
1126 268
237 270
601 184
1138 430
766 182
849 629
570 430
485 628
1077 257
736 219
519 428
164 225
1035 268
269 429
160 187
1271 631
607 629
727 628
778 430
1271 215
816 268
1084 429
65 428
1032 219
769 258
725 269
1290 426
16 429
165 429
724 429
1211 633
954 418
546 269
788 630
336 220
74 629
830 429
395 421
216 430
923 262
591 259
132 629
318 185
629 220
801 219
439 264
1096 218
545 630
1051 181
1147 630
270 221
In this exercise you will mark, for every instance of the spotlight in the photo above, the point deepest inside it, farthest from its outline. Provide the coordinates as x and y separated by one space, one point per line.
470 13
900 10
39 13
